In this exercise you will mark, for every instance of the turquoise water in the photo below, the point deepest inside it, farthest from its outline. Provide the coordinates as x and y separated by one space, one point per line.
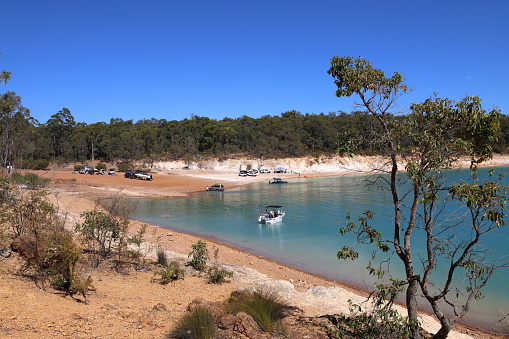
308 237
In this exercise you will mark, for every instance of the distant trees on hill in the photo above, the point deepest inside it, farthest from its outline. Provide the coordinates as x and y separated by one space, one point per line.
291 134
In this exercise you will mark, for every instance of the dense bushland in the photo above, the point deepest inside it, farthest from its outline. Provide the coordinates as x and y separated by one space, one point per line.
291 134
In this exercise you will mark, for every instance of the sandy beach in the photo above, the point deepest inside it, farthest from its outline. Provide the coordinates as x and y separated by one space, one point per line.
131 306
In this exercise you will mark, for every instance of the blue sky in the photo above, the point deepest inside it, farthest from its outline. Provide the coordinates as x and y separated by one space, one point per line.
169 59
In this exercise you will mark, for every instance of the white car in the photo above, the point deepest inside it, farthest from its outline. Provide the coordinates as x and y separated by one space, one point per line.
143 176
264 170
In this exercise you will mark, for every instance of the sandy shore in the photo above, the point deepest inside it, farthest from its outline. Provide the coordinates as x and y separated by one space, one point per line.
134 294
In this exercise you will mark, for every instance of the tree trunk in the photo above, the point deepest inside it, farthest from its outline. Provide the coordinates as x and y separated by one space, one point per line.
411 303
443 332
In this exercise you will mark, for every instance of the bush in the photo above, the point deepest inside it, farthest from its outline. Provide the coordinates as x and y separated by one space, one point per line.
170 273
27 163
100 232
197 323
40 164
78 167
382 320
101 165
263 305
122 167
217 275
31 180
162 259
199 255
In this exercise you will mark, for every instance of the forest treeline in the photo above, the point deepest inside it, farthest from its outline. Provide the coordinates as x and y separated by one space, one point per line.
290 134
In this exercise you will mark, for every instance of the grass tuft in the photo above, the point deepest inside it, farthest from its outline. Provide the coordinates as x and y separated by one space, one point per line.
263 305
197 323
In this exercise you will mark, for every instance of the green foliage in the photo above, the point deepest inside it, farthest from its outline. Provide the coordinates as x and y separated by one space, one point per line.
101 165
436 134
199 255
122 167
40 164
162 258
197 323
263 305
376 317
31 180
78 167
99 231
218 275
169 273
64 259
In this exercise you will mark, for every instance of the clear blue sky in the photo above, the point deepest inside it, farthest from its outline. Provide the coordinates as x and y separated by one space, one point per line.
168 59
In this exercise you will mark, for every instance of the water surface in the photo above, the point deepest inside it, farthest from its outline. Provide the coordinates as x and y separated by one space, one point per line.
308 237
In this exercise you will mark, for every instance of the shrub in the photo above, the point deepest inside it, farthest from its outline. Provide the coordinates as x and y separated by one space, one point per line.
382 320
263 305
65 256
27 163
122 167
31 180
218 275
40 164
162 259
78 167
99 231
101 165
199 255
197 323
169 273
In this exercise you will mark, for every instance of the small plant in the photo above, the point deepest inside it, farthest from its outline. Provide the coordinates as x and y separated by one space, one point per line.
218 275
137 241
169 273
199 255
77 167
197 323
263 305
162 258
382 320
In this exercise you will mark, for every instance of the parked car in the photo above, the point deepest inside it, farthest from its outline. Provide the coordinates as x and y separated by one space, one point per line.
111 171
101 171
243 173
216 187
264 170
280 170
143 175
129 174
252 173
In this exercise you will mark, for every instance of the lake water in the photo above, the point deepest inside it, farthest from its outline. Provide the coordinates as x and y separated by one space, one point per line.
308 238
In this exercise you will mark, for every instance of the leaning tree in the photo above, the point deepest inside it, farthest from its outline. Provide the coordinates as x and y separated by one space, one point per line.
418 147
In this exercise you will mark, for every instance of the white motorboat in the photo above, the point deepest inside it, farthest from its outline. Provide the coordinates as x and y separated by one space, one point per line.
273 214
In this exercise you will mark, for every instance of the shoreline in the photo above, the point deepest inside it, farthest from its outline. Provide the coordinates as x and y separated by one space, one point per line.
273 268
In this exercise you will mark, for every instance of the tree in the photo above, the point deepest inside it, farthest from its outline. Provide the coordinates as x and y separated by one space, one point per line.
431 138
15 128
59 129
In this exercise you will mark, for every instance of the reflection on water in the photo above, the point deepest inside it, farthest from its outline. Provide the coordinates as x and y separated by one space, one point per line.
308 236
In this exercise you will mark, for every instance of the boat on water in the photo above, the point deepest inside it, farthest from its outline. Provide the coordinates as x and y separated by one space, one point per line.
277 181
273 214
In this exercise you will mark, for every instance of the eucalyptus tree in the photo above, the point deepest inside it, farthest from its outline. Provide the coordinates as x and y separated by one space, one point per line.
16 128
58 130
432 137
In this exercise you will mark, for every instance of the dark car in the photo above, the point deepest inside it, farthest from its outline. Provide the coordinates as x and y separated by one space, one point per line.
243 173
129 175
